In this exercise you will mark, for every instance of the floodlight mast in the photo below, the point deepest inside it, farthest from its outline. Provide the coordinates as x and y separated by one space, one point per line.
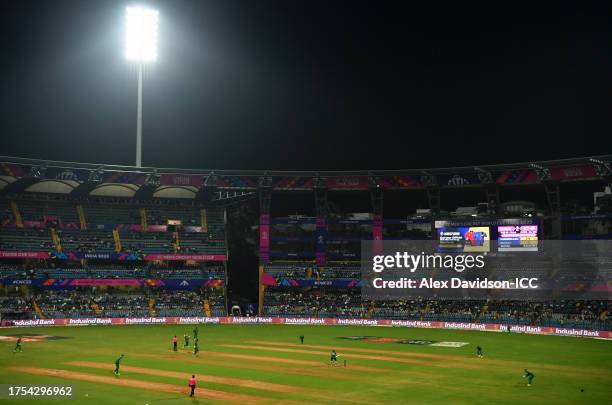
140 47
139 120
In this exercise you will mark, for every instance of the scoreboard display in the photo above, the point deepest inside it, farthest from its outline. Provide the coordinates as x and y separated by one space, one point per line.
464 239
517 238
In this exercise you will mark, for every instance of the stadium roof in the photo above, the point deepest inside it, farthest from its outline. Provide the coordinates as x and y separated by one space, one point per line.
29 175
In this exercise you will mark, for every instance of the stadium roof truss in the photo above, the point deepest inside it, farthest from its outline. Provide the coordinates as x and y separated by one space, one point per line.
83 179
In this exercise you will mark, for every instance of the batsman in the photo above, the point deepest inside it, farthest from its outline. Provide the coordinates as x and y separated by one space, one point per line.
333 358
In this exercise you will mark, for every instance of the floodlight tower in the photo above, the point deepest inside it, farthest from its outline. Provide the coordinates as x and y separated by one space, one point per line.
141 48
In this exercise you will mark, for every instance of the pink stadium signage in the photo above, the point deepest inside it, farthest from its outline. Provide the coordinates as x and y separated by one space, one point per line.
194 257
105 281
489 327
12 254
21 254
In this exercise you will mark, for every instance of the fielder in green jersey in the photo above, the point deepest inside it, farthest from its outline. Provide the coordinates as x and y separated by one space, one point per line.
529 376
17 346
117 364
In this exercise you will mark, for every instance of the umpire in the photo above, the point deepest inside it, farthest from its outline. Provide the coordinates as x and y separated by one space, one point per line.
192 385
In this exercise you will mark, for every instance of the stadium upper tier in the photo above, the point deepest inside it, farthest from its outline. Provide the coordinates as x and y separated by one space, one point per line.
19 175
69 229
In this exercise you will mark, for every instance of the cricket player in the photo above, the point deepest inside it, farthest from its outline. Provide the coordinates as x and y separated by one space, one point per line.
186 337
196 345
333 360
479 351
192 385
195 332
17 346
117 363
529 376
174 343
302 339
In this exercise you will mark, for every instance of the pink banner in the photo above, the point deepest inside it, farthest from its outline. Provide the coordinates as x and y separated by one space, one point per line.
10 254
377 234
490 327
264 238
33 224
129 227
267 279
194 257
105 281
348 183
194 180
154 228
320 239
157 228
574 172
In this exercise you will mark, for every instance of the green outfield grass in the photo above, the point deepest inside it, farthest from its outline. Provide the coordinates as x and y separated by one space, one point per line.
266 364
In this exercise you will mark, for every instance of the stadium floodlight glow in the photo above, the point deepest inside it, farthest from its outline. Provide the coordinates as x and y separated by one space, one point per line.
140 47
141 34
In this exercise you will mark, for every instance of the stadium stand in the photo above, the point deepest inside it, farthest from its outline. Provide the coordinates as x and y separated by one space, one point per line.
94 258
25 239
105 255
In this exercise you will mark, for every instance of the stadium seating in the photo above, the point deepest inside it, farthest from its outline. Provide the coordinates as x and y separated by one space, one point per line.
336 270
303 288
111 214
37 211
78 304
25 239
64 245
6 214
342 303
87 241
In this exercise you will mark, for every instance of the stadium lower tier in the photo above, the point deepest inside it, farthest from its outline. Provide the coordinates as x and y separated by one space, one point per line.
52 269
347 303
80 304
86 303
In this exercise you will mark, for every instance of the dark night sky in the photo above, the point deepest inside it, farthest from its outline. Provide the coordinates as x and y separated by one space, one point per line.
308 84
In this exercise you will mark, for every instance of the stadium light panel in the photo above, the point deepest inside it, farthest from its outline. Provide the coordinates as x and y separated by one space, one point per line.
141 34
